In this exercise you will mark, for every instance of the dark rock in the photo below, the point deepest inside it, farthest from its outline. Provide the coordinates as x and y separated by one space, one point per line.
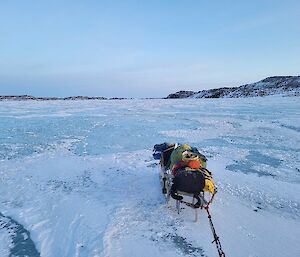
181 94
29 97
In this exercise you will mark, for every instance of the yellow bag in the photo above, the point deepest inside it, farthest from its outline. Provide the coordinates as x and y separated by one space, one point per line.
209 183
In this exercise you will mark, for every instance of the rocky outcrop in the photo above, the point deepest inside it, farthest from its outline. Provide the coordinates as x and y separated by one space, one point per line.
29 97
181 94
277 85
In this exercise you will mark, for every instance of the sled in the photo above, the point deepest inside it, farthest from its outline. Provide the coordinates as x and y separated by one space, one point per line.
185 184
193 201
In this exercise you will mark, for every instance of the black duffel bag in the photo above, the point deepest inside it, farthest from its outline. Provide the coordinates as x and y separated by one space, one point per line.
188 181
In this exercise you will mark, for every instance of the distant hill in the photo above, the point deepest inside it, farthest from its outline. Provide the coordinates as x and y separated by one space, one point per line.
278 85
29 97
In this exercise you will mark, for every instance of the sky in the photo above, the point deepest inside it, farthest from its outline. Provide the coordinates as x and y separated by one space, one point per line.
144 48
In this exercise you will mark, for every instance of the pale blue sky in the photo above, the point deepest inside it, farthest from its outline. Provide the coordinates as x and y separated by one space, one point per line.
144 48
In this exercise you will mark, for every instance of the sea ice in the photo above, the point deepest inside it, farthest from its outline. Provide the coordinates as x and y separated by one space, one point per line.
80 178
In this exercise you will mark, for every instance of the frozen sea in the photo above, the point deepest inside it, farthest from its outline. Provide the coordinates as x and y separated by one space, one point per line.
77 178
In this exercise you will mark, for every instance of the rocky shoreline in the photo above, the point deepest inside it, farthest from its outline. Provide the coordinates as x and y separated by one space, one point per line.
278 85
29 97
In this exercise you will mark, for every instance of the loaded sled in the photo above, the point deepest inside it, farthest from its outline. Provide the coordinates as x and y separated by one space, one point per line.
184 176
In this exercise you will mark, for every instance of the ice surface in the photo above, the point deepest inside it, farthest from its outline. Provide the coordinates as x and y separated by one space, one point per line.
79 176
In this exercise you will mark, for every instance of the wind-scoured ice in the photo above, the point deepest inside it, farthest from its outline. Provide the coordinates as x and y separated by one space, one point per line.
78 179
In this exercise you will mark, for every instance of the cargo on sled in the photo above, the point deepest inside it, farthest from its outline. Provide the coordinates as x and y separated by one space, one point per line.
184 176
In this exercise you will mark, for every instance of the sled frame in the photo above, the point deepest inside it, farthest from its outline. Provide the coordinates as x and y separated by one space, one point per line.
166 182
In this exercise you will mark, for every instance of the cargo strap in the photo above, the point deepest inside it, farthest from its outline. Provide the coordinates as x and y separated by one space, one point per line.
216 238
193 205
